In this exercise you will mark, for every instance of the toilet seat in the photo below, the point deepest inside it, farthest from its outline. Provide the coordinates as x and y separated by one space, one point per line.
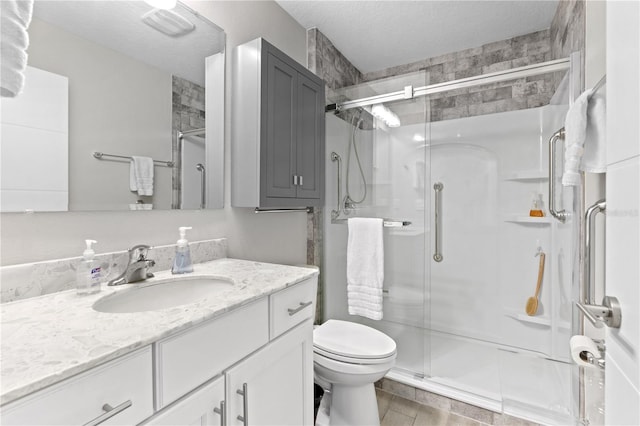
353 343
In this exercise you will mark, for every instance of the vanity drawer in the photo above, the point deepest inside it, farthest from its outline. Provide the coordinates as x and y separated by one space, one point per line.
80 399
188 359
292 305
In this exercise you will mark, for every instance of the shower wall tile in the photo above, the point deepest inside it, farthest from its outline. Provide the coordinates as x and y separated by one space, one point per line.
567 32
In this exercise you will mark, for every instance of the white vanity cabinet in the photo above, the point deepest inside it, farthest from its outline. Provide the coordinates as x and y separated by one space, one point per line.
125 384
262 349
274 386
204 406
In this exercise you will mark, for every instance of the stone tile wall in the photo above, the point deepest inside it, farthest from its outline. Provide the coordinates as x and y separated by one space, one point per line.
488 98
187 113
568 31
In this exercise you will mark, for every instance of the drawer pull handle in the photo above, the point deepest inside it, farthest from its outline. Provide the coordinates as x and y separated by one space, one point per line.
245 405
303 305
109 412
222 412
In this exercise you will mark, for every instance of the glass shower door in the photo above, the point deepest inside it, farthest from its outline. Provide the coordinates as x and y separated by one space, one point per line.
463 240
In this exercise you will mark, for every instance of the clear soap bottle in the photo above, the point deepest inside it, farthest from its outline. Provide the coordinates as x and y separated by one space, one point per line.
89 273
182 262
536 205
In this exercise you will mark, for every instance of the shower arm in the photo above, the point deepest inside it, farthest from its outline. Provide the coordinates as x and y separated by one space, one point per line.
335 157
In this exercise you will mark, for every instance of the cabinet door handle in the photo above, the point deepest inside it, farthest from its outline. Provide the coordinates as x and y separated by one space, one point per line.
222 412
300 180
303 305
295 180
109 412
245 405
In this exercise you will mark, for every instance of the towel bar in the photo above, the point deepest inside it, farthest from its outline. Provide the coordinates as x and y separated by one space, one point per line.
99 155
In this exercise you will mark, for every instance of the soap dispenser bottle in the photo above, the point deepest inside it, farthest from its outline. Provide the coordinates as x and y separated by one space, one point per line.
89 273
182 262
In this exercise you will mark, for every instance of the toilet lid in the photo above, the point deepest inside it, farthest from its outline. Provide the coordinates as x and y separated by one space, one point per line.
349 339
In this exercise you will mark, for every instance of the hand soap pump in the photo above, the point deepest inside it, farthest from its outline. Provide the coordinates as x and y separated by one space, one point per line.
182 262
89 273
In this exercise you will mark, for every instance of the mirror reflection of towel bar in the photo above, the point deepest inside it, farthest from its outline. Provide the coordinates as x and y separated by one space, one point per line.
99 155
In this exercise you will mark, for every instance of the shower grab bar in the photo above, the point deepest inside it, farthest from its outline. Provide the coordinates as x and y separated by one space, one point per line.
437 255
99 155
609 312
561 215
203 185
335 157
589 227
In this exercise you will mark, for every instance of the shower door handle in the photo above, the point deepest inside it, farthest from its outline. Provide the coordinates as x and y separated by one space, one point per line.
561 215
437 255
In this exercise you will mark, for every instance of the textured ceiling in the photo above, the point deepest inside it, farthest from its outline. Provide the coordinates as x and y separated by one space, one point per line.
375 35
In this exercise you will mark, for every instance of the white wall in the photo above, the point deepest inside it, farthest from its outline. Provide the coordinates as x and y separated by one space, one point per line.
118 105
266 237
622 384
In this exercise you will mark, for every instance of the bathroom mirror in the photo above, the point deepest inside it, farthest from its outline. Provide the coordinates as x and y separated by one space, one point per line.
108 80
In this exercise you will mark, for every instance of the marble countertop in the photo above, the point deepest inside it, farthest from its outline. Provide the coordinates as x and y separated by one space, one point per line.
49 338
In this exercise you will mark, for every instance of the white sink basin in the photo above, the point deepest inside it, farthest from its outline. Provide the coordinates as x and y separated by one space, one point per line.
162 294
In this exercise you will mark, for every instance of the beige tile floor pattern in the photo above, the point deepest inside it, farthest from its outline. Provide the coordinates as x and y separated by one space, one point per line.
395 410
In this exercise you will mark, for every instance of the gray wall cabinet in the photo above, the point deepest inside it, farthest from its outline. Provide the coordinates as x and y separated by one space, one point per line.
277 125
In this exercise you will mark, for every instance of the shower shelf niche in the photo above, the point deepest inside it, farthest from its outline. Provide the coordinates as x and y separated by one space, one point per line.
546 220
527 175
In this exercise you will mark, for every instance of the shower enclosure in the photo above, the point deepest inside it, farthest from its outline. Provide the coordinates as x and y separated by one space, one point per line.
462 252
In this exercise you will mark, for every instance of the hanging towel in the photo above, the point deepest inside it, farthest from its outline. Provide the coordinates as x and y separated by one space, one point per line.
575 127
585 137
15 17
365 267
141 175
595 152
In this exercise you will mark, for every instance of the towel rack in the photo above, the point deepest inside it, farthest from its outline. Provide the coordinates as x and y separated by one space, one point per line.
387 223
598 85
99 155
302 209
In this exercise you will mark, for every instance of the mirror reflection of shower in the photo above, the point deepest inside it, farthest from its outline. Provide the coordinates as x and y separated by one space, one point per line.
203 185
191 164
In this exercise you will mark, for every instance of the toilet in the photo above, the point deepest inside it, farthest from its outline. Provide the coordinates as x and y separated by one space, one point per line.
347 359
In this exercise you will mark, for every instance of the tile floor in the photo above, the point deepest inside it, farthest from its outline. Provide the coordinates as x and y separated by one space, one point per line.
397 411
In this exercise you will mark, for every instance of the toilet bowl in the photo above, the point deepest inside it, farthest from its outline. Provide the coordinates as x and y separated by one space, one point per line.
347 359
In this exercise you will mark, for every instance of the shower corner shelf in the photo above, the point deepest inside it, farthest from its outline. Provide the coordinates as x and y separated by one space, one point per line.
523 317
546 220
527 176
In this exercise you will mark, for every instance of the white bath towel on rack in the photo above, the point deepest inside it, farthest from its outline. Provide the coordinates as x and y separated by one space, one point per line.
585 137
141 175
365 267
15 17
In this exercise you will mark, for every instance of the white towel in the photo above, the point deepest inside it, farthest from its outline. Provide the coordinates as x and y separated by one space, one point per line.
575 127
585 137
15 17
141 175
365 267
595 150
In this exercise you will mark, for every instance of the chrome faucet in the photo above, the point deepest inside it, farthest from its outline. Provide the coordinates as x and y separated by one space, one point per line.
137 268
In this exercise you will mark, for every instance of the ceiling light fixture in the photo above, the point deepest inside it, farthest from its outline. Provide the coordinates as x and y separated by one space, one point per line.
162 4
383 113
